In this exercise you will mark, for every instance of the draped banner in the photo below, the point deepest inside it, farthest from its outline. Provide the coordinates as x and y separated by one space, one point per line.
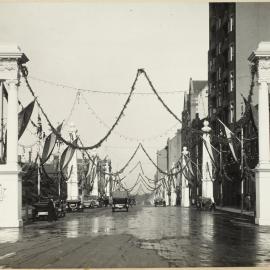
49 145
67 156
229 138
24 117
253 110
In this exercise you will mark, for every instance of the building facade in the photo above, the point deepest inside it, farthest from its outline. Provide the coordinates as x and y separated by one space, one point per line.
235 29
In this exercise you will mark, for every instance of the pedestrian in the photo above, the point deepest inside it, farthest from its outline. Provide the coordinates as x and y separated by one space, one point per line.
51 211
248 202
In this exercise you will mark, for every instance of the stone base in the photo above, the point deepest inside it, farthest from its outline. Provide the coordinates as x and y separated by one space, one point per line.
10 196
262 194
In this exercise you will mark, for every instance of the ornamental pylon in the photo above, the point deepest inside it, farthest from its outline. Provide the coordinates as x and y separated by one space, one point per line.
260 59
73 183
207 171
11 57
94 191
173 190
184 174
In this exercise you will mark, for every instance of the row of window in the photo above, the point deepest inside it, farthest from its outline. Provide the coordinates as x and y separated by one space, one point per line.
212 86
230 23
212 62
230 116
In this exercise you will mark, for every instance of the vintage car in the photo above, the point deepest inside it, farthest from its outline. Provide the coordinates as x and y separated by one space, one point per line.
74 206
41 209
120 200
60 207
159 202
90 201
203 203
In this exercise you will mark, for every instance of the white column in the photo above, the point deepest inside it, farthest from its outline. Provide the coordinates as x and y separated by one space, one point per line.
10 179
72 183
185 187
95 184
12 123
263 123
207 183
261 60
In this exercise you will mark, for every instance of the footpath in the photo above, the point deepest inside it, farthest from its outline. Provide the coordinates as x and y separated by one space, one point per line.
236 212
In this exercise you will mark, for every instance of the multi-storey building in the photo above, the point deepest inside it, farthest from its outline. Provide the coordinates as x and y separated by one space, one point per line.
235 30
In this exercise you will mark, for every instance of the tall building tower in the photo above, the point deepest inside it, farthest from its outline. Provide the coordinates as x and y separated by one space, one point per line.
235 30
221 62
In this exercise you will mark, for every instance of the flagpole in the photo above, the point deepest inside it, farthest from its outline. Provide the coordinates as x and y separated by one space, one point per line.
197 175
221 174
242 169
59 175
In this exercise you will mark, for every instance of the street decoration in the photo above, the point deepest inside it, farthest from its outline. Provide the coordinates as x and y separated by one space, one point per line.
49 145
24 117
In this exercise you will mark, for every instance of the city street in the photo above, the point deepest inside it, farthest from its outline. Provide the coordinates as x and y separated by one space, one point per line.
142 237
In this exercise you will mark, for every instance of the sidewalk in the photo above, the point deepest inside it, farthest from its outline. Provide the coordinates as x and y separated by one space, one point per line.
249 215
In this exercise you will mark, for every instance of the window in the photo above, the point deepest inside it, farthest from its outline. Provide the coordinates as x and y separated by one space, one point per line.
219 23
219 48
231 21
231 81
219 73
231 52
231 112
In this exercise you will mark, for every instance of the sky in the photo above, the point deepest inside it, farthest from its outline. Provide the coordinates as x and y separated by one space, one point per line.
99 46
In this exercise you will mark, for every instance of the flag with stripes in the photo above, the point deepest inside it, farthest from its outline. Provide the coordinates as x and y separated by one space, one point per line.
49 145
229 134
67 156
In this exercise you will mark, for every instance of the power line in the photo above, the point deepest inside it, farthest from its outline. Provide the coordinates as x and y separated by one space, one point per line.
99 91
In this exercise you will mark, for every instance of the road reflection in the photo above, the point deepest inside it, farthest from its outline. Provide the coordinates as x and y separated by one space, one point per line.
185 237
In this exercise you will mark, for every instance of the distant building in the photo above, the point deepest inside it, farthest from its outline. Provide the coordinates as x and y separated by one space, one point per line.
195 111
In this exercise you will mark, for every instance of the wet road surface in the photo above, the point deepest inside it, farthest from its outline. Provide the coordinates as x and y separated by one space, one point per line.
142 237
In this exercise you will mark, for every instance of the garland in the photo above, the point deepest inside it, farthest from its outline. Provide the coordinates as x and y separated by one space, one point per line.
121 135
98 144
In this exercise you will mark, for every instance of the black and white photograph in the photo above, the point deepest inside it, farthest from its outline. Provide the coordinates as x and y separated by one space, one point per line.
134 134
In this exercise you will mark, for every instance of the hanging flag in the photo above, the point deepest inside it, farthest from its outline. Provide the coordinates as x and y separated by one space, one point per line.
67 155
229 138
209 150
5 93
209 172
189 166
49 145
24 117
253 111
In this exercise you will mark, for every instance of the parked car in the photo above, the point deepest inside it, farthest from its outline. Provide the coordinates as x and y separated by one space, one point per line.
120 200
203 203
60 207
159 202
74 206
41 209
90 201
